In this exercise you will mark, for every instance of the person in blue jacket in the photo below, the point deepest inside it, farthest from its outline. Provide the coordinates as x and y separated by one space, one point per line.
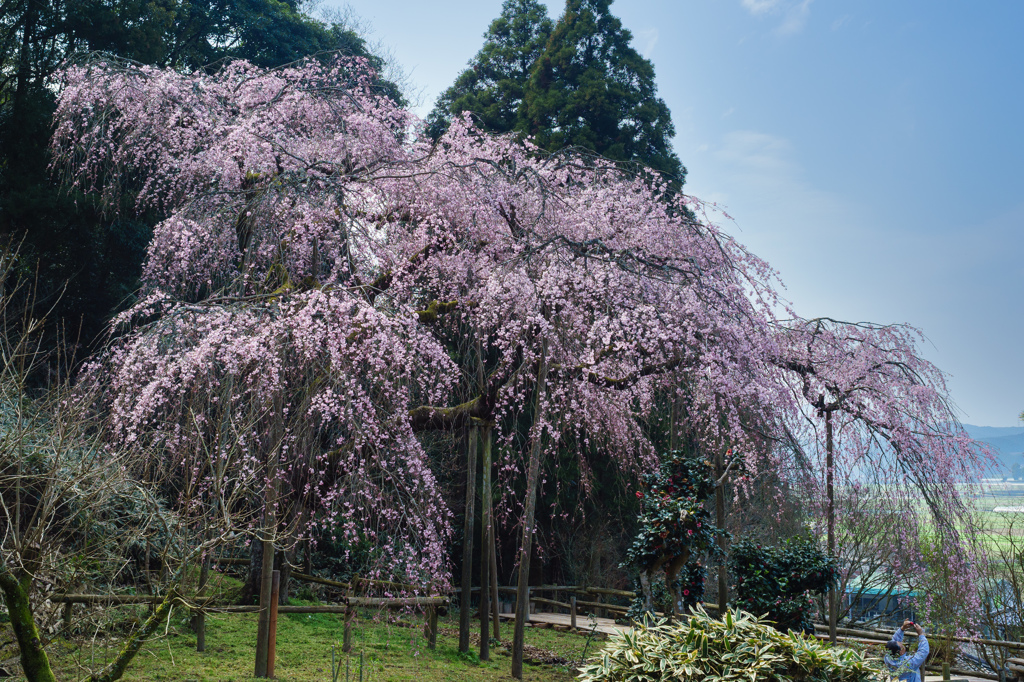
902 665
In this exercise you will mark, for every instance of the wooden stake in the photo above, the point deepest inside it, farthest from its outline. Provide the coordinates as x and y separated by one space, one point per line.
347 643
430 626
495 604
204 577
833 597
526 545
723 580
467 540
486 546
269 530
272 631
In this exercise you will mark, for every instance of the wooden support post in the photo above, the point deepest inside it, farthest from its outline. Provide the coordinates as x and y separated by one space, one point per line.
526 544
572 611
723 580
266 590
467 540
833 595
268 532
346 645
430 626
68 612
495 604
272 630
486 545
204 577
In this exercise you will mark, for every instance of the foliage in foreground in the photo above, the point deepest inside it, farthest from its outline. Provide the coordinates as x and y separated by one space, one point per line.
742 647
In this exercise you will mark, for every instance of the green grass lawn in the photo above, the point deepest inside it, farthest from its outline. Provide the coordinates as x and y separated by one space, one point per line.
395 650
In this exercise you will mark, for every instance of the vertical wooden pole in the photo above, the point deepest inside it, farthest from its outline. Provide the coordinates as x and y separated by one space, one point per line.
467 540
204 577
486 545
572 612
673 417
272 631
350 613
68 611
723 580
833 596
430 626
268 532
495 604
346 645
526 545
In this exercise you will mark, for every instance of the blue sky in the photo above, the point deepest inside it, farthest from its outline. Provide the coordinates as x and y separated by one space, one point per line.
871 151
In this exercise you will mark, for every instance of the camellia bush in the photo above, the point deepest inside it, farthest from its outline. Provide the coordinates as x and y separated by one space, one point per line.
675 528
739 647
780 582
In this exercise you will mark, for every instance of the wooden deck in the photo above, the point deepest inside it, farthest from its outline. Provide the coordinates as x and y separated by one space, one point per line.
605 626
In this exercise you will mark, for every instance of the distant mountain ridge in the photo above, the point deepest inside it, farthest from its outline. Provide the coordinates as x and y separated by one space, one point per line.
1007 442
986 432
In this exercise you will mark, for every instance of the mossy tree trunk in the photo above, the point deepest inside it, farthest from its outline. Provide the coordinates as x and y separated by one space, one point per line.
134 644
34 661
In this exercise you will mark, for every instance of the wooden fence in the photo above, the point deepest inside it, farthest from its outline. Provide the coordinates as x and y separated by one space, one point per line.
347 606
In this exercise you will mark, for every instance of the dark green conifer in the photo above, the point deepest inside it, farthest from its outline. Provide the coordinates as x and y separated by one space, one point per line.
491 87
591 89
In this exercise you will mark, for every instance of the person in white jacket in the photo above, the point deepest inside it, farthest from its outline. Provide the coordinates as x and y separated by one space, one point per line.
902 665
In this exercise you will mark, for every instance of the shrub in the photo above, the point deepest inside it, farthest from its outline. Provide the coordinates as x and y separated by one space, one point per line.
675 529
778 582
740 647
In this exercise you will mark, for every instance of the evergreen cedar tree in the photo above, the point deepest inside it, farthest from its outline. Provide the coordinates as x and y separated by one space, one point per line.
492 86
579 84
86 261
318 265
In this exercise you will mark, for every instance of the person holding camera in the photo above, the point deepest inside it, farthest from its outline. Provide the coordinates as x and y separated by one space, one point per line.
903 666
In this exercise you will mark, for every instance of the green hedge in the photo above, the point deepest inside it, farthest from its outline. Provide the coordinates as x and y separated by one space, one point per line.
742 647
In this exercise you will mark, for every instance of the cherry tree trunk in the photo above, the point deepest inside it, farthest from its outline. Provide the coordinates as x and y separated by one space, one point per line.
467 540
526 547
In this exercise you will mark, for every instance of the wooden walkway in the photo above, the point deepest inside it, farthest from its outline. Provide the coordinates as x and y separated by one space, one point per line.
605 626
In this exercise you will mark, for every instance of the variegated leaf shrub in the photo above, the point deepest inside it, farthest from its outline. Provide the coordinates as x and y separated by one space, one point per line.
741 647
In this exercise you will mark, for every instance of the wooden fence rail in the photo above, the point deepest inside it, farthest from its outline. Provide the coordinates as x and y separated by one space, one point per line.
431 607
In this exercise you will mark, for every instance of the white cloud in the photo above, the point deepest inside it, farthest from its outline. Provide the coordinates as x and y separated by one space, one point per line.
794 13
757 7
647 38
795 18
840 22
